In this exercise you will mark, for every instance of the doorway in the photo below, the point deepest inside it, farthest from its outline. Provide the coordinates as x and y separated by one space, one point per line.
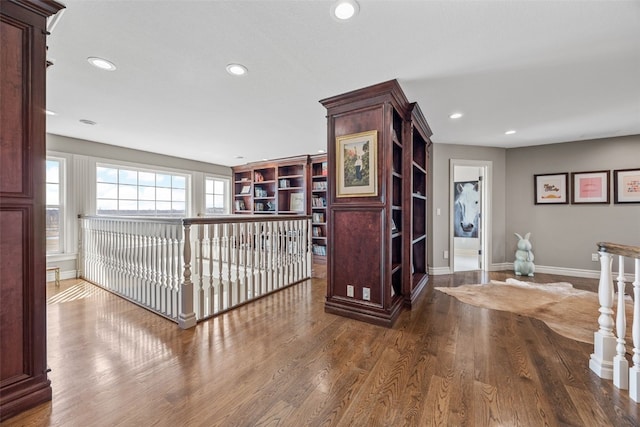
469 215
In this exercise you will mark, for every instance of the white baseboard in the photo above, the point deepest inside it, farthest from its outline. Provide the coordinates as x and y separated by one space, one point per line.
561 271
501 266
439 271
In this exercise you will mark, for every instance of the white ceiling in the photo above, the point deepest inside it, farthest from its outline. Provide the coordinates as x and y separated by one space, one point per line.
554 71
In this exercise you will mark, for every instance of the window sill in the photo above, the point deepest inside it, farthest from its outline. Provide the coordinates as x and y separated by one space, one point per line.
61 257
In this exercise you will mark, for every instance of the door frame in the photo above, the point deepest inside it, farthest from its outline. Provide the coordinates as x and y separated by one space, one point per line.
485 167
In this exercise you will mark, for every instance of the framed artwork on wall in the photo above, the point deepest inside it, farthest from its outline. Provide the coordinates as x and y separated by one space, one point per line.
626 186
356 165
296 202
590 187
551 188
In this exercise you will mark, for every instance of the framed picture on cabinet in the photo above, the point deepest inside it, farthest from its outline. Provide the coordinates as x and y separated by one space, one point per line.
590 187
626 186
551 188
356 165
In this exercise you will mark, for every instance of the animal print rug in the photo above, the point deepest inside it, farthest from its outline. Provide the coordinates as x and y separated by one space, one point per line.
571 312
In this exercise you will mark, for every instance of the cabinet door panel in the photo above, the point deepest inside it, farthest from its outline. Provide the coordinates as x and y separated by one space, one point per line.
358 249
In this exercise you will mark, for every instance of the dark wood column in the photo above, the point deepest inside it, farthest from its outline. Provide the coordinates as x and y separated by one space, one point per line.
23 361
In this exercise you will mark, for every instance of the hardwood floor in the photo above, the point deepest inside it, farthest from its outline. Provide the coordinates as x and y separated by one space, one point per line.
282 361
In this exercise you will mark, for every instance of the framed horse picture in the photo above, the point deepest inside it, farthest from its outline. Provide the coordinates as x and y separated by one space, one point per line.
466 209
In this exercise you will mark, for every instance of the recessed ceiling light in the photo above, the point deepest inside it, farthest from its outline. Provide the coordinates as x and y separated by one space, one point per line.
87 122
239 157
321 151
101 63
50 113
455 116
343 10
510 132
237 69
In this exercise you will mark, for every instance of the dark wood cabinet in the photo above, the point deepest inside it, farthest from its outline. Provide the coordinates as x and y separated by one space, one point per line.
23 332
377 262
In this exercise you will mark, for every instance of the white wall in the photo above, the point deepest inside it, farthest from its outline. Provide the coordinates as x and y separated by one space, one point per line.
81 157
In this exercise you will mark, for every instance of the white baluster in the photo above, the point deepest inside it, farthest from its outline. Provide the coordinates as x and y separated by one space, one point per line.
237 242
186 318
634 371
200 273
211 290
246 232
162 286
259 255
601 361
221 285
620 364
227 264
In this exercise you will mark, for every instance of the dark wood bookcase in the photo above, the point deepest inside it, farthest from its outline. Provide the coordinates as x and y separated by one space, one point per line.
378 259
418 136
272 187
319 189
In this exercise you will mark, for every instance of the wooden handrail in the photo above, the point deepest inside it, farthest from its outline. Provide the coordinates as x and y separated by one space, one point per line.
235 218
618 249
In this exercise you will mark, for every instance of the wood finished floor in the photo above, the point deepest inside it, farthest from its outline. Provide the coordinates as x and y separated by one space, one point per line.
283 362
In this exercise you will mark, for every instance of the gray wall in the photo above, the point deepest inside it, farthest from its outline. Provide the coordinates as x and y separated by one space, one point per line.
566 235
440 198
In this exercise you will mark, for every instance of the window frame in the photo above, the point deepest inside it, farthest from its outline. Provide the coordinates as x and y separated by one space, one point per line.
62 167
226 196
142 169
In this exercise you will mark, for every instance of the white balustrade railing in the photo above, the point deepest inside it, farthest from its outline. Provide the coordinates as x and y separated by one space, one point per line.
191 269
609 357
236 262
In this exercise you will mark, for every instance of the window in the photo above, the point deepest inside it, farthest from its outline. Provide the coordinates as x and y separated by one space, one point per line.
134 192
54 205
216 190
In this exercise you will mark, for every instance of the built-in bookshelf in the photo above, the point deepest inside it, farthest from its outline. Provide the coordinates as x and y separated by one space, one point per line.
418 134
319 186
377 263
272 187
396 227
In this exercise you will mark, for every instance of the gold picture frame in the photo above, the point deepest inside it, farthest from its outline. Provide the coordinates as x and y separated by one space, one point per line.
357 164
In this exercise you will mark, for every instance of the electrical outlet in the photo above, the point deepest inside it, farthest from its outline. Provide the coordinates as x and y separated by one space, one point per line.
366 294
595 257
446 255
350 291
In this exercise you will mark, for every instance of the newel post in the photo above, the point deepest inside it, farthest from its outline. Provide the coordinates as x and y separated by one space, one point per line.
604 341
186 316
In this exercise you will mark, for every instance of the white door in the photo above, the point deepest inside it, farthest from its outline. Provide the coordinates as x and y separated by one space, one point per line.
468 205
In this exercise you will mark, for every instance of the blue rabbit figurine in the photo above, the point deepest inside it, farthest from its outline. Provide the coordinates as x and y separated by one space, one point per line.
523 265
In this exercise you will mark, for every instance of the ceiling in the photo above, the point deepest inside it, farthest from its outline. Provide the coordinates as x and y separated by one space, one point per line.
554 71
